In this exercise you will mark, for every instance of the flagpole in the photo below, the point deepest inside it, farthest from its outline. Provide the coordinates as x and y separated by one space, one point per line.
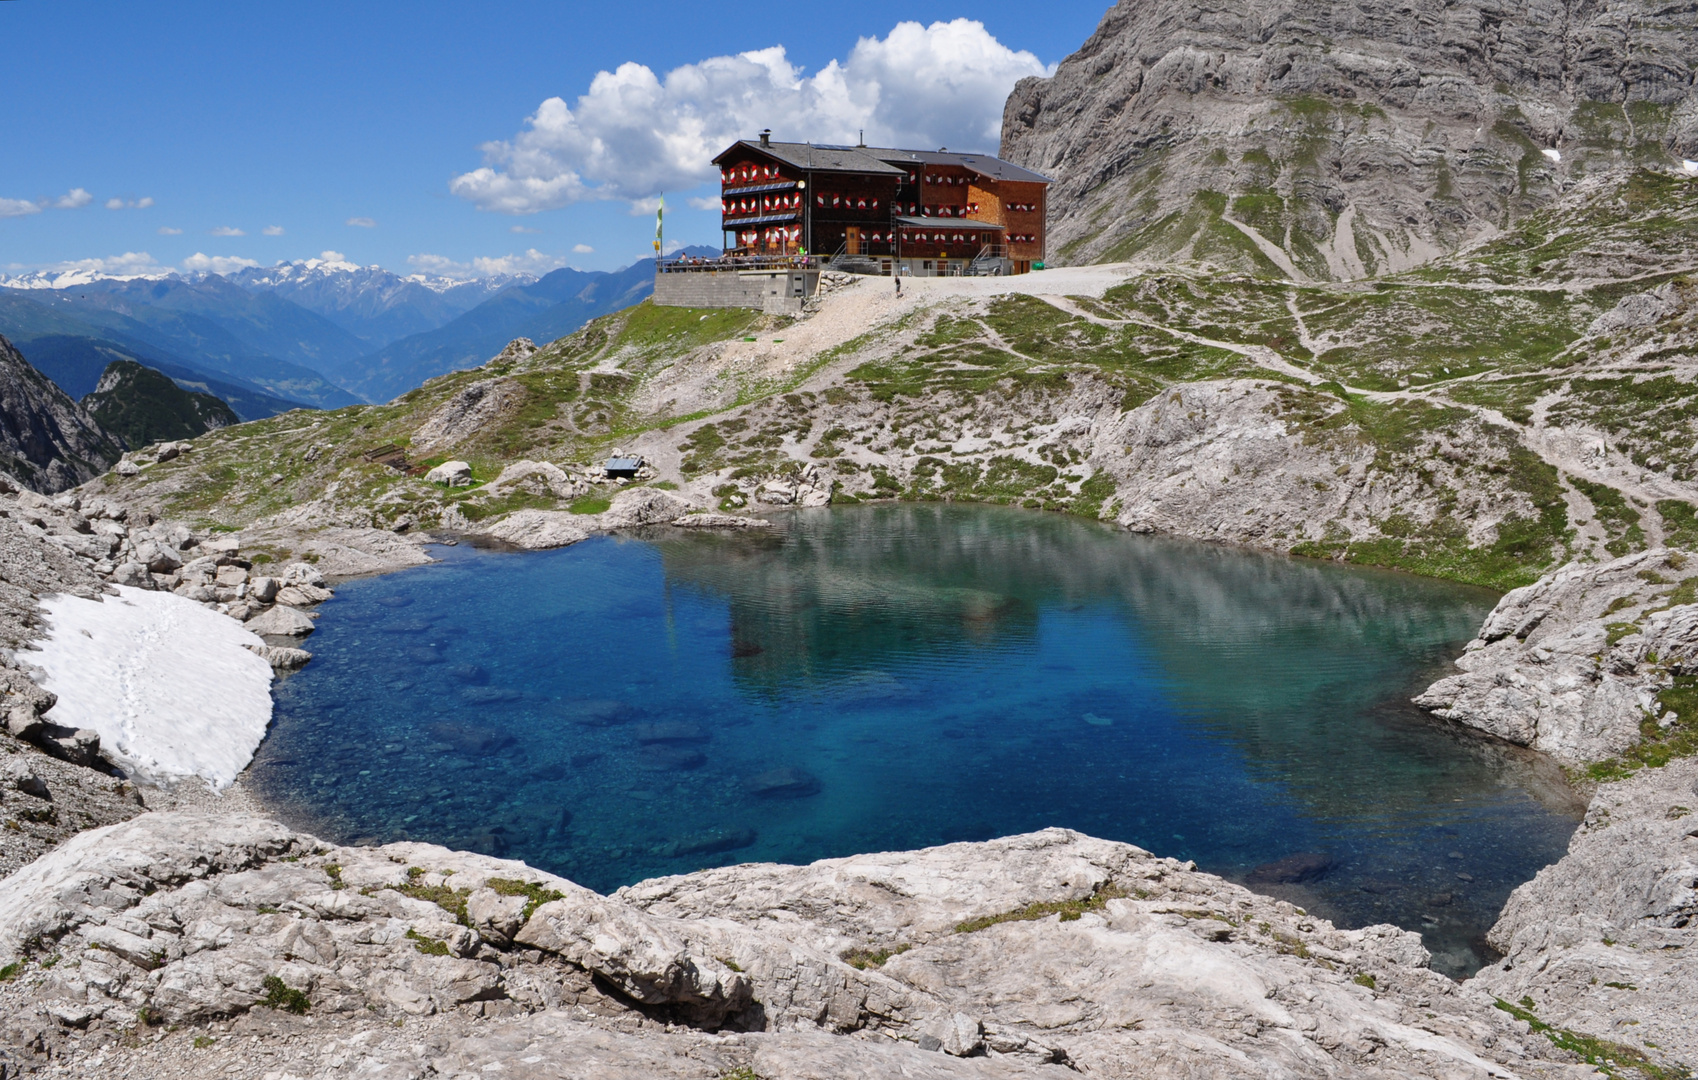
659 215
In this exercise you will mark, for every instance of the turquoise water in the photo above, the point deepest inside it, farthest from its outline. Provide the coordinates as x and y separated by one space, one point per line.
888 677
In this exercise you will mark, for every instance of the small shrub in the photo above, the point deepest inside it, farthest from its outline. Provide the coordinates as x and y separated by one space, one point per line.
204 1041
10 971
1365 979
279 995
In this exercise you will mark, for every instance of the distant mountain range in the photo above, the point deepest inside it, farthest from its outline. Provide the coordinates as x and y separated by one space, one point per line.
315 333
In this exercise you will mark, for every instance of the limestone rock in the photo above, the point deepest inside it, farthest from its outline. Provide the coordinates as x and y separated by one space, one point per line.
480 405
452 473
1166 972
1421 127
1571 664
721 521
1602 941
281 621
642 506
280 657
536 530
301 573
537 478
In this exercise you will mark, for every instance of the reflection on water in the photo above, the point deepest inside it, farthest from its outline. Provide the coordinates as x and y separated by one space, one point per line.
871 678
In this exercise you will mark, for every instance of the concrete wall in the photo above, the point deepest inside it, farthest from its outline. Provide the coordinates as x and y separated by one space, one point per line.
776 292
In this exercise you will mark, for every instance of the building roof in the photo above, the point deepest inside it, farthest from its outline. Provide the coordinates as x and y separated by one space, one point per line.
817 158
986 165
624 464
944 223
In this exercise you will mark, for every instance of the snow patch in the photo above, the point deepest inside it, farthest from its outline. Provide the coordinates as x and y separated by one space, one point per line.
1690 166
165 681
1554 155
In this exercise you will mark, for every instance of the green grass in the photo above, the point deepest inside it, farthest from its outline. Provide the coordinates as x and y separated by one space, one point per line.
872 958
591 504
1607 1057
448 899
1068 910
428 945
1365 979
535 895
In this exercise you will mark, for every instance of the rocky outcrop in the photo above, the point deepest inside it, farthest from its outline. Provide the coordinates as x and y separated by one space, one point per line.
1602 942
141 406
47 441
1304 139
479 406
1572 665
1039 955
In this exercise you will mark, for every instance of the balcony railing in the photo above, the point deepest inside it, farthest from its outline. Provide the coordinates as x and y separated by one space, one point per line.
727 263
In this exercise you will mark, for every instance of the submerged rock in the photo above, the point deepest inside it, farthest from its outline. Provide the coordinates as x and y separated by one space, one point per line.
469 739
598 712
708 842
787 782
1292 869
670 731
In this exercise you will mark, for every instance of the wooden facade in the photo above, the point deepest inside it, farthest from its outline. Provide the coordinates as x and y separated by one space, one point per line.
908 211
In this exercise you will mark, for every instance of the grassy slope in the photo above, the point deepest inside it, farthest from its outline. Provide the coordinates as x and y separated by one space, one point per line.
1475 350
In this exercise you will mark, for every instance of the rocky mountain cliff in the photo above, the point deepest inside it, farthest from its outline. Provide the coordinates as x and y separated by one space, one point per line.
142 406
47 441
1303 139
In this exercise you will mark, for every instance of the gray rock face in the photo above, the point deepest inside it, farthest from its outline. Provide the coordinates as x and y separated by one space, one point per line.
537 530
1602 942
47 441
462 416
1572 664
1309 139
1159 970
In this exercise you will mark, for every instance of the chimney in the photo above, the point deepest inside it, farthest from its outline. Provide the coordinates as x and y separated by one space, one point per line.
766 137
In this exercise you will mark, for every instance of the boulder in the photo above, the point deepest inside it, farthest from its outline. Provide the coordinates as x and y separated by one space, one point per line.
281 621
17 774
126 468
643 506
263 589
537 530
302 595
301 573
452 473
132 573
280 657
158 556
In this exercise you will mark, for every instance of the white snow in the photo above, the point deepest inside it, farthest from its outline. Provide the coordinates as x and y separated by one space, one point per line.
164 680
1689 166
1554 155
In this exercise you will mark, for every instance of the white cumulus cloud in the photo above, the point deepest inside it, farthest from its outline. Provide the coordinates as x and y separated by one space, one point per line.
332 256
703 203
74 199
166 230
582 249
216 264
18 208
521 230
144 202
362 222
531 262
227 230
272 230
116 203
636 134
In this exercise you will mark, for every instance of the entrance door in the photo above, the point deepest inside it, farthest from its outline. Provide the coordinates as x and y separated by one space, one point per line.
853 243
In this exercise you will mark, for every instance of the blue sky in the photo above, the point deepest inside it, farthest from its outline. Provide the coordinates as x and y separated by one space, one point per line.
305 117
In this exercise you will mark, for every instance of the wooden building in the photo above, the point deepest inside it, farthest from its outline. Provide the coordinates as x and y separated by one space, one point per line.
914 212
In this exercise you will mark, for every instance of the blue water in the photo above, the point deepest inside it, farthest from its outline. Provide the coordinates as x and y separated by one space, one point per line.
628 707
